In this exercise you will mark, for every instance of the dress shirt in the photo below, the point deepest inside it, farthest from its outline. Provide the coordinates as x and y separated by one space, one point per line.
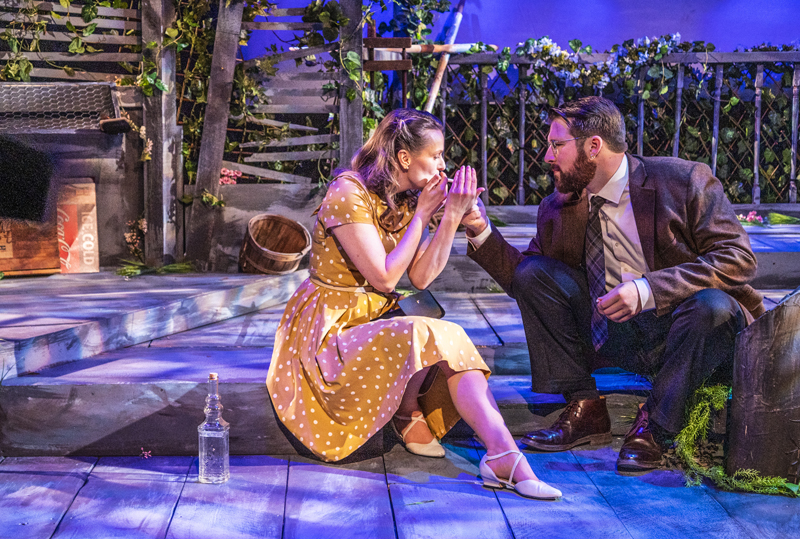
622 247
624 257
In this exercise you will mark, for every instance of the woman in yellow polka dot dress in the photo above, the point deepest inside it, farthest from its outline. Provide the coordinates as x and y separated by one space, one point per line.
339 372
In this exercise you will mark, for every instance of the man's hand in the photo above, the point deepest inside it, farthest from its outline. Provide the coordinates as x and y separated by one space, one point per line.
475 219
621 304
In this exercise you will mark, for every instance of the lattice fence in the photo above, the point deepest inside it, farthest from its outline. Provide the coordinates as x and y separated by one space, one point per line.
727 91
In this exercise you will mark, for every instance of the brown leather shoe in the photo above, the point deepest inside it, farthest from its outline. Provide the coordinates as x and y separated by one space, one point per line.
640 451
581 422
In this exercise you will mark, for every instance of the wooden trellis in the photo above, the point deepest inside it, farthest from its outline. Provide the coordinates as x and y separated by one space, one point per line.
298 93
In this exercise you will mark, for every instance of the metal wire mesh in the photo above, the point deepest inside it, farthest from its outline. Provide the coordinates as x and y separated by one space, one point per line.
32 107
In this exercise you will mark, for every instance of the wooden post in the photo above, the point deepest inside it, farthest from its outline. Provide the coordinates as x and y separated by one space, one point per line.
484 180
450 39
443 103
404 82
795 107
351 125
523 72
715 126
161 172
371 54
757 143
676 142
640 121
202 223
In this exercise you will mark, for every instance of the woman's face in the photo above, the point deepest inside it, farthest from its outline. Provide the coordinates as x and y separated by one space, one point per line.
425 165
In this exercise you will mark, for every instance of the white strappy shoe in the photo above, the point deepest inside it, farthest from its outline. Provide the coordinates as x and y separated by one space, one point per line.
431 449
530 488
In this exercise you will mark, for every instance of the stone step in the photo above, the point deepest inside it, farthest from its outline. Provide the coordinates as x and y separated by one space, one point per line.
46 321
152 398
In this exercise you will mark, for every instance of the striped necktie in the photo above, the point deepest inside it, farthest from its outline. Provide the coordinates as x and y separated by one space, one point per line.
596 271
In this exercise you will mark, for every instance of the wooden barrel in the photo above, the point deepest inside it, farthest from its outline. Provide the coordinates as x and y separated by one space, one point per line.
273 245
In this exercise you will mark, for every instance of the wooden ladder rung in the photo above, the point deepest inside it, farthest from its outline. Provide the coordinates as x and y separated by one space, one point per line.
297 141
291 156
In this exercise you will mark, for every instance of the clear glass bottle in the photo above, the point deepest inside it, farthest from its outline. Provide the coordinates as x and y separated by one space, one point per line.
213 438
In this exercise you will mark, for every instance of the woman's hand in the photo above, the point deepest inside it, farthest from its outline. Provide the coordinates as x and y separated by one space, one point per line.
463 192
432 196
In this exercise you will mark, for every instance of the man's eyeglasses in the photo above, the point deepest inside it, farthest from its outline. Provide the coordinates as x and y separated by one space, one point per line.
556 145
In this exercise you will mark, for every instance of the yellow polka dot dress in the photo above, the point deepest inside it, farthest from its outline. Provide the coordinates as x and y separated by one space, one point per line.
337 375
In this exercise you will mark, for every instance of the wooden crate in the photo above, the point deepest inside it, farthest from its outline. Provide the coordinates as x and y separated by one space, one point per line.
66 243
28 248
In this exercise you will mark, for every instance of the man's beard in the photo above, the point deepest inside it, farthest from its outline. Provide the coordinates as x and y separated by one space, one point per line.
579 177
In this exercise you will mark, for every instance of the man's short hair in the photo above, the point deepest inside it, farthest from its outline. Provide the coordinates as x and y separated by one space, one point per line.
594 116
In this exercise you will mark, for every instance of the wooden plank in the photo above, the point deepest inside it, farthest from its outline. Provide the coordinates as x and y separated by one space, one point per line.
303 101
305 76
461 309
292 109
143 309
463 509
291 156
47 73
36 492
387 42
156 468
163 173
69 57
503 315
288 91
202 222
94 38
129 97
674 58
582 504
266 173
387 65
250 504
351 117
58 8
298 141
275 123
291 55
251 330
460 465
113 506
284 26
760 515
326 501
672 509
76 21
288 12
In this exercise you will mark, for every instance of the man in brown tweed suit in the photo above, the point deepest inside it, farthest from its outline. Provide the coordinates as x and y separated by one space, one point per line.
676 263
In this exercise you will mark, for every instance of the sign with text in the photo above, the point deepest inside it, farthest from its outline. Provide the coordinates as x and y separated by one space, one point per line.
76 228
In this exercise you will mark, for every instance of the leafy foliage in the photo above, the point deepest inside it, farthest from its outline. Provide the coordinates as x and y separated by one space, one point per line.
696 429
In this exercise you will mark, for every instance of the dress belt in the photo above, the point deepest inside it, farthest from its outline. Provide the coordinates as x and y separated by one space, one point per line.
360 289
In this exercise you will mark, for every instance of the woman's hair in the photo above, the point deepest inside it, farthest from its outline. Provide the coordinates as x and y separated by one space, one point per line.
376 162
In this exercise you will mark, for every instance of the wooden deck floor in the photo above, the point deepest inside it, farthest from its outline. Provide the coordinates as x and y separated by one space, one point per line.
397 495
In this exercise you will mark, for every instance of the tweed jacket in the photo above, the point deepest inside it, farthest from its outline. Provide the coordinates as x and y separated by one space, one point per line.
689 233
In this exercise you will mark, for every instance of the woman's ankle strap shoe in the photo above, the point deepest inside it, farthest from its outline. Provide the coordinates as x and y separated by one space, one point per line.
432 449
530 488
